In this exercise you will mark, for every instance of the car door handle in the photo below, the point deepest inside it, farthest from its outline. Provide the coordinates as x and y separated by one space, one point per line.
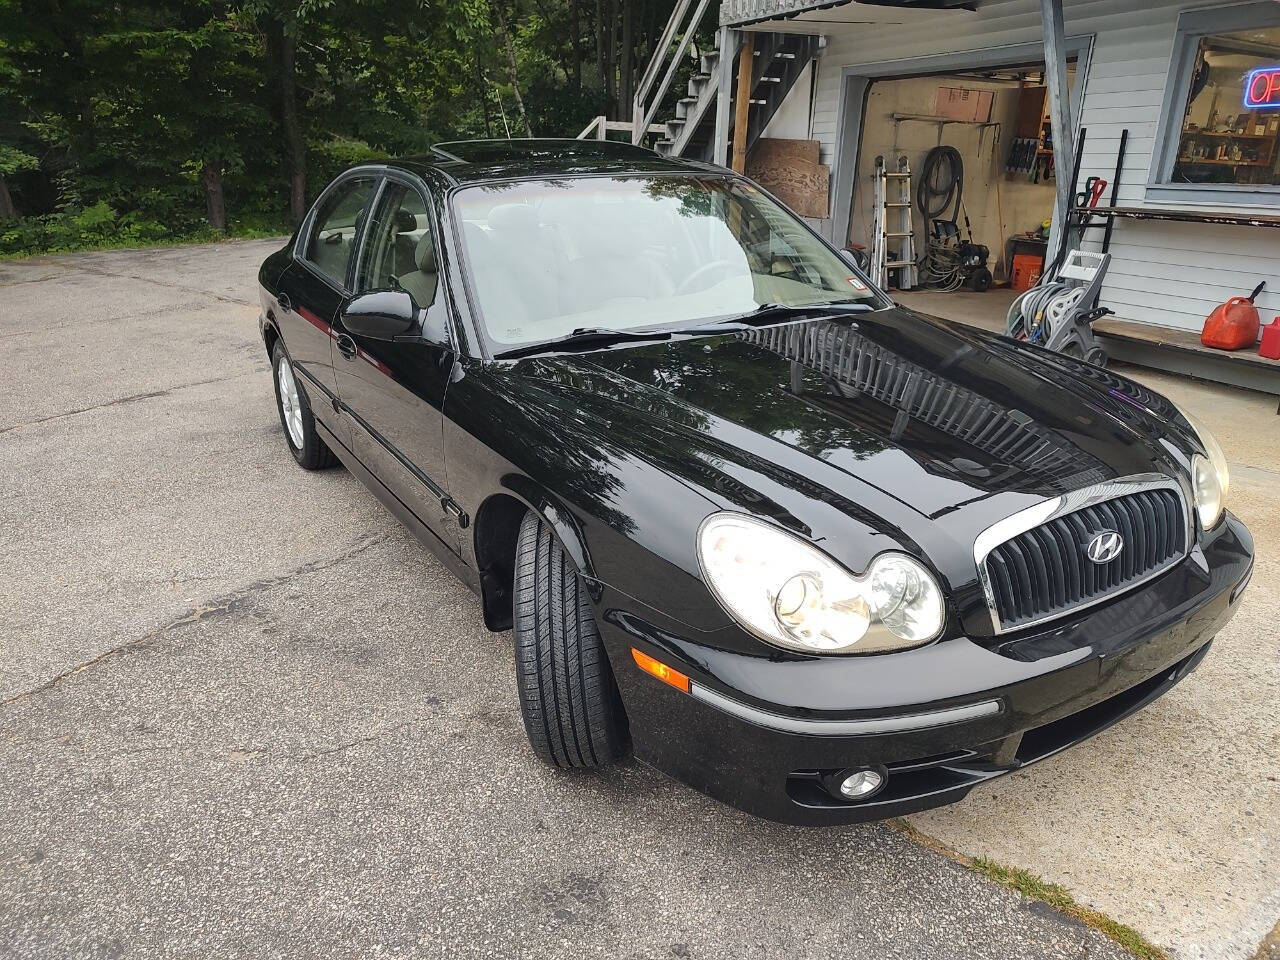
285 303
346 346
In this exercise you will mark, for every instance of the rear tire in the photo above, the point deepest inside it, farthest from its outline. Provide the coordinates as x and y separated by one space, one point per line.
296 417
568 698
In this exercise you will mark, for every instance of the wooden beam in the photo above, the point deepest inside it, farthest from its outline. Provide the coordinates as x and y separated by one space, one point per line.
1240 218
742 104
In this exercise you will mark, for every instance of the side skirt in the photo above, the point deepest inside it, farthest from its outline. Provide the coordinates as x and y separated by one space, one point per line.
402 513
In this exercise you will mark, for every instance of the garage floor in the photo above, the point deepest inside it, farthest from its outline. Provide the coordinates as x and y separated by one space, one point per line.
242 713
987 310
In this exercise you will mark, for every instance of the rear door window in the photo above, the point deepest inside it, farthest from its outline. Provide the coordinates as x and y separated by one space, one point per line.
337 228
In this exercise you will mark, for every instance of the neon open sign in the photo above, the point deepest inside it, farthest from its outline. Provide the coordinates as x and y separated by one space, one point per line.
1262 89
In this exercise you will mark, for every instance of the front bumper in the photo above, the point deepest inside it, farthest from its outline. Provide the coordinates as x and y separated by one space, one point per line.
762 733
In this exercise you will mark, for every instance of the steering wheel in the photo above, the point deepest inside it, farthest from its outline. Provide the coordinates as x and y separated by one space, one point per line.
687 283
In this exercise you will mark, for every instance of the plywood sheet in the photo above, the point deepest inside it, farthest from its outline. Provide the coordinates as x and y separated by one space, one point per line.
789 169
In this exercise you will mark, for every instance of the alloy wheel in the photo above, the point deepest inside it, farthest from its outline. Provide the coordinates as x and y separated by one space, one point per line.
290 405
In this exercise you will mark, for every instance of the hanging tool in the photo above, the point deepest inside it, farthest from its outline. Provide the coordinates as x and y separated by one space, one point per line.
1088 198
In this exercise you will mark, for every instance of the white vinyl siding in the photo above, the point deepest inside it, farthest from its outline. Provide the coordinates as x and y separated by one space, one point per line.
1171 274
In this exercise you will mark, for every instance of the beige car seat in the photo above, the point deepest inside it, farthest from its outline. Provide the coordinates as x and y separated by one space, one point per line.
421 283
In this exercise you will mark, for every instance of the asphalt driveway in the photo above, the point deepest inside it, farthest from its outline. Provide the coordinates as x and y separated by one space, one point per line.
242 713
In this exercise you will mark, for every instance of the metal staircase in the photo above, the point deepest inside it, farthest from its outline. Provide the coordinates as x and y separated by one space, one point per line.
778 61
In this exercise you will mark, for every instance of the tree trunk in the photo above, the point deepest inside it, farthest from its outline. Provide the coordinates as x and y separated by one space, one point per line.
602 50
512 68
653 25
6 202
627 58
74 69
483 87
215 202
295 150
611 55
575 28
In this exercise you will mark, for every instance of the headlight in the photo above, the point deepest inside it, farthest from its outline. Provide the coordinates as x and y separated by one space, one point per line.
792 595
1210 478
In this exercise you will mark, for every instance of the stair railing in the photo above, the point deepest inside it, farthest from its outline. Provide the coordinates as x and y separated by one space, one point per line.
648 97
600 127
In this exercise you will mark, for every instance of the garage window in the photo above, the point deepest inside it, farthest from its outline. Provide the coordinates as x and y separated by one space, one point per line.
1220 132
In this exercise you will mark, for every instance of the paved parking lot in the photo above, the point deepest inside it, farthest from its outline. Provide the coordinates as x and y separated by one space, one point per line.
243 714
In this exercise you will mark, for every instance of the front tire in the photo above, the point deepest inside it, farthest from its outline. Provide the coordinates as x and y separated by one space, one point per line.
568 698
296 417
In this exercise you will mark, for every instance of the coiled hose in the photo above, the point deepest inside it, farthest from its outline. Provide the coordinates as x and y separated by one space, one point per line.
941 184
940 188
941 266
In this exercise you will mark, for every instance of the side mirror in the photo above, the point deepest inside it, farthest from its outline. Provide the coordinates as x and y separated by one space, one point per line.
435 325
383 315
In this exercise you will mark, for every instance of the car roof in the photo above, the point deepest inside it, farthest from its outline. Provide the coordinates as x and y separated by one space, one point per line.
472 161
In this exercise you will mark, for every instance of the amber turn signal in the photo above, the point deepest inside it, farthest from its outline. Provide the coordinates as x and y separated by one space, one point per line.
660 670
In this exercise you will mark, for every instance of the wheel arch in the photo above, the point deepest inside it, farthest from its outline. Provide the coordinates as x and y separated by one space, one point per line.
270 335
495 530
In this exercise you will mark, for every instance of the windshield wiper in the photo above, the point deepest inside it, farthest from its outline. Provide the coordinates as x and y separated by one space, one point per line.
763 315
584 337
769 313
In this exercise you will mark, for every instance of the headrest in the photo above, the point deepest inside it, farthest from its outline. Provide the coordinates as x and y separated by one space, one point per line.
406 222
424 255
605 237
513 220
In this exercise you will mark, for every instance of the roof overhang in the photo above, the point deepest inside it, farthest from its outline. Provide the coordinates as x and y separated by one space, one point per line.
817 14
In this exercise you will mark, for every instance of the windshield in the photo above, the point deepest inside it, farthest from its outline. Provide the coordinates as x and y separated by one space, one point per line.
551 257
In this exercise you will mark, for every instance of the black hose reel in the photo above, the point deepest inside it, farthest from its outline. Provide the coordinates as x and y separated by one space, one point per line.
949 262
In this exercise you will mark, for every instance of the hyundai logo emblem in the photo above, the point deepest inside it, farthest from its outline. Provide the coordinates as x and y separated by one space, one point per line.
1105 547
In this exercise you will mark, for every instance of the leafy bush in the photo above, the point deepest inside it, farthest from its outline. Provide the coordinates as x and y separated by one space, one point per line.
98 226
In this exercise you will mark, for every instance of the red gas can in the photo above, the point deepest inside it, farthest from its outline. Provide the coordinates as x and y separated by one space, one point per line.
1234 324
1270 346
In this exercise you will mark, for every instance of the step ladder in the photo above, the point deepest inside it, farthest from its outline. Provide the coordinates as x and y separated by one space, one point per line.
894 243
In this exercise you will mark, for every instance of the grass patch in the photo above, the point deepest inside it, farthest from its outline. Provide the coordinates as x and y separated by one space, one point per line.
135 243
1029 885
100 228
1035 888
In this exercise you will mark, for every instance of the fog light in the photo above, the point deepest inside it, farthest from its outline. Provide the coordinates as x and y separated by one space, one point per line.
861 784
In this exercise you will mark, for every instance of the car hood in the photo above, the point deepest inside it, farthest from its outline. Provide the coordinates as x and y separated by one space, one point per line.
931 414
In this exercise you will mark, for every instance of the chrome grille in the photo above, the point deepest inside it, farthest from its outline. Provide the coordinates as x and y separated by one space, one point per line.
1045 571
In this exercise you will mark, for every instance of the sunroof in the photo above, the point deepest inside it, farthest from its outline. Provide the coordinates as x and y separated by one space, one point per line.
496 151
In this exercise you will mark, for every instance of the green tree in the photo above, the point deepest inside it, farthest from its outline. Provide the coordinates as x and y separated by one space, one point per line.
152 118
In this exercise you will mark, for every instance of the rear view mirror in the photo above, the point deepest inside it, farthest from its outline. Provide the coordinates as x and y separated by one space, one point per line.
383 315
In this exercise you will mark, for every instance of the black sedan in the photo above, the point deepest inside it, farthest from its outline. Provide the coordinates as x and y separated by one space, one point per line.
820 556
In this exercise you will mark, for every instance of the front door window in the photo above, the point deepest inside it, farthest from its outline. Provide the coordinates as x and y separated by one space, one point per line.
337 225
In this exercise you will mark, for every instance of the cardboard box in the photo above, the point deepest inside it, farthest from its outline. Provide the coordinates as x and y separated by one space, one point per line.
961 103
